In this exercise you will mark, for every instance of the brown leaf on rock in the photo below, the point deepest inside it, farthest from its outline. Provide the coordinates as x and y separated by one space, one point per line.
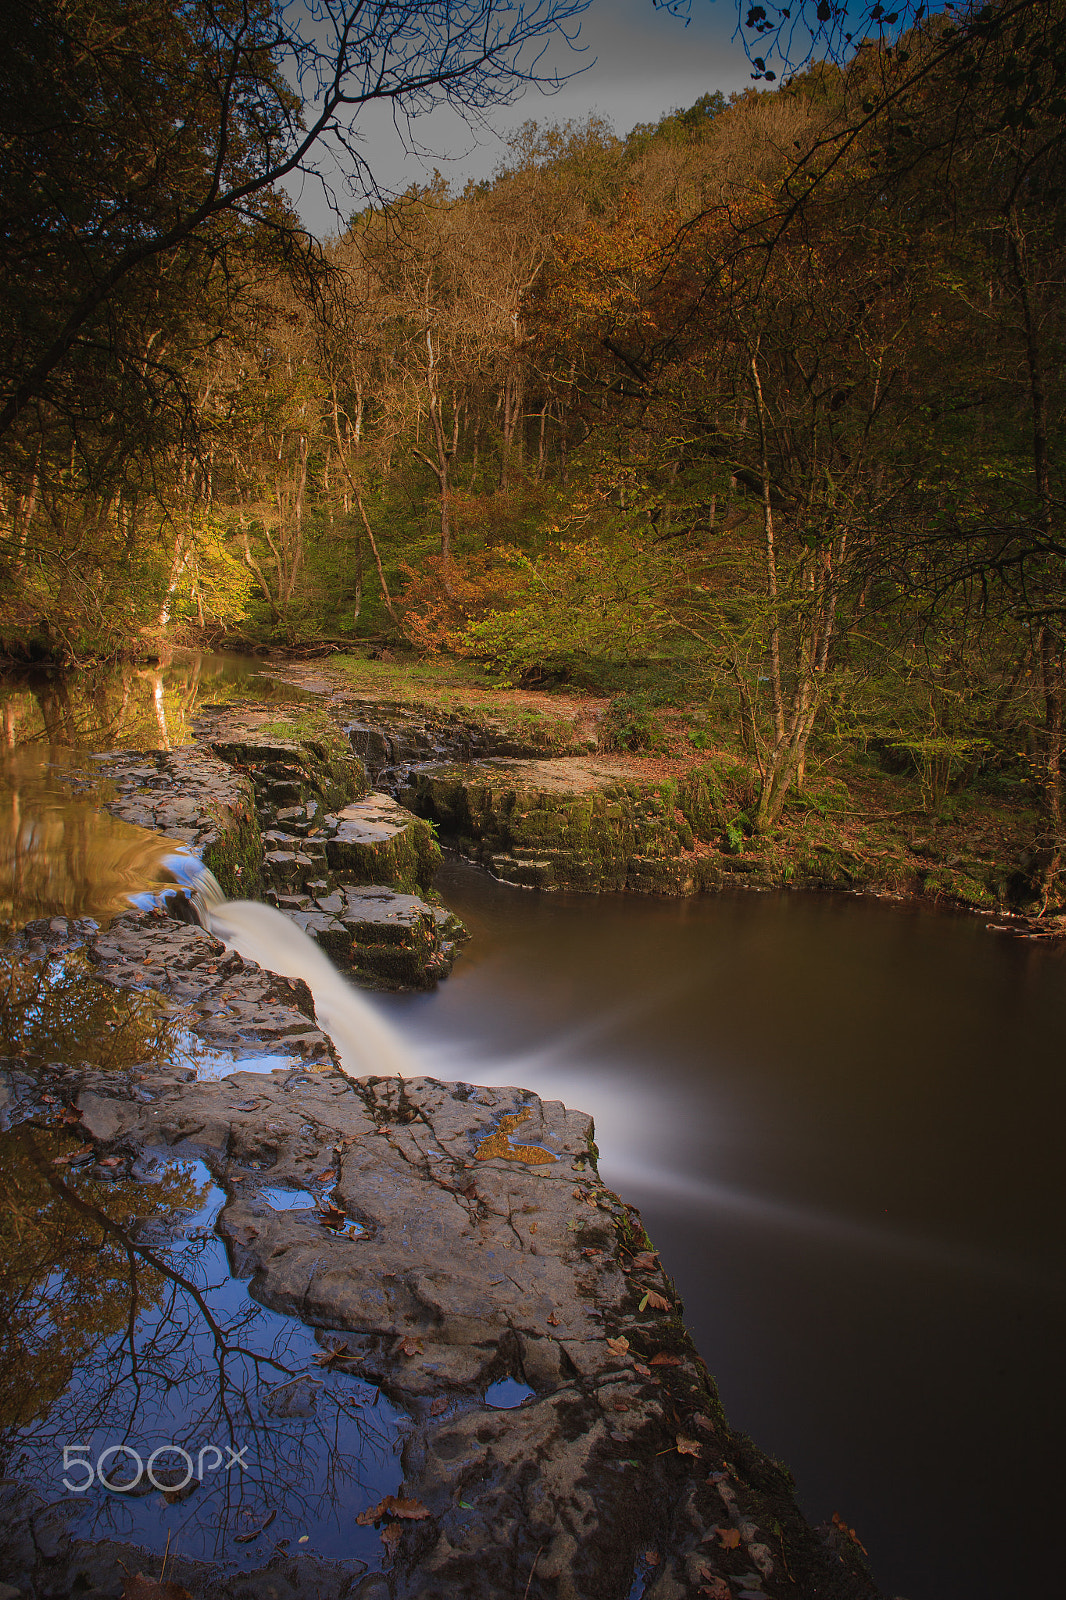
325 1177
645 1372
657 1301
730 1538
439 1406
652 1557
553 1320
646 1260
336 1353
407 1509
703 1422
411 1346
73 1155
688 1447
664 1359
618 1347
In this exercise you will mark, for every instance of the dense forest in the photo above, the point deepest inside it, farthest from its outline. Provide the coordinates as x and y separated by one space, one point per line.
759 407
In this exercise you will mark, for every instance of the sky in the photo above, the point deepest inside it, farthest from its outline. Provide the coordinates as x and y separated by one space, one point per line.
639 63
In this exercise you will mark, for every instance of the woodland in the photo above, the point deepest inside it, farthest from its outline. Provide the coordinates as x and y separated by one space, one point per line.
757 409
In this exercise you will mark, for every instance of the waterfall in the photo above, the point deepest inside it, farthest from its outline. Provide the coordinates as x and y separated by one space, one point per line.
366 1044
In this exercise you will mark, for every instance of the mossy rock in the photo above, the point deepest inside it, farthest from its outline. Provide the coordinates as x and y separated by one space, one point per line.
236 855
378 841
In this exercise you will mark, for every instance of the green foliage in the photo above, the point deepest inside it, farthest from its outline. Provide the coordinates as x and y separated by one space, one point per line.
629 723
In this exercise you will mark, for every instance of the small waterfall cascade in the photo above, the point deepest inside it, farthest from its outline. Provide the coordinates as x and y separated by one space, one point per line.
366 1044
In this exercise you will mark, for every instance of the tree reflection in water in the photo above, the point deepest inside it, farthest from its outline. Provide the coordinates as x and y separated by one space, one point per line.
122 1325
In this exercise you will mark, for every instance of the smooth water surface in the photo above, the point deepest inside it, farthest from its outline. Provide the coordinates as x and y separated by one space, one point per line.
842 1121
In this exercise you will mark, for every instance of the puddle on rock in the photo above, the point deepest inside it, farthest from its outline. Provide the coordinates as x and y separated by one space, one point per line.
146 1393
507 1393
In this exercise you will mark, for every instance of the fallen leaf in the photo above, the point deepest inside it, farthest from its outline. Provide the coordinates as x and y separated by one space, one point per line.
578 1194
620 1405
411 1347
142 1588
336 1353
730 1538
325 1177
408 1510
618 1347
111 1161
74 1155
656 1301
663 1359
688 1447
645 1372
645 1260
652 1557
553 1320
465 1505
439 1406
703 1422
717 1589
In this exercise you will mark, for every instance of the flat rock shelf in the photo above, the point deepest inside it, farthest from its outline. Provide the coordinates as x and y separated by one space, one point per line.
453 1238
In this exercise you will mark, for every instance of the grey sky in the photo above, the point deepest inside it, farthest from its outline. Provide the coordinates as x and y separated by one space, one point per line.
646 63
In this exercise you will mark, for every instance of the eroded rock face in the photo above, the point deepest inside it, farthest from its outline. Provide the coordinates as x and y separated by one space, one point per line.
461 1238
571 823
389 940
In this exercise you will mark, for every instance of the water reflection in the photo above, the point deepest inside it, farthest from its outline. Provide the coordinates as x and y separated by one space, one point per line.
55 1009
119 1307
135 707
60 855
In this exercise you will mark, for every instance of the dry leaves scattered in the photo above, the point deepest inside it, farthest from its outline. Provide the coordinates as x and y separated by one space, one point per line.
688 1447
663 1359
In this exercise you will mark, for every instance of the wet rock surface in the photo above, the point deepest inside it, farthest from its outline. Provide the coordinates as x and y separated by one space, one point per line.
386 938
193 798
231 1006
458 1249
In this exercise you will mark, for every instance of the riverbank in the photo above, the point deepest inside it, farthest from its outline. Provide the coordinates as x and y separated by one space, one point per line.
676 819
554 1432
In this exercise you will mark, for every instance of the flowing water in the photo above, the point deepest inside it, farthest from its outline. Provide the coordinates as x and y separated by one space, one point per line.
843 1124
841 1120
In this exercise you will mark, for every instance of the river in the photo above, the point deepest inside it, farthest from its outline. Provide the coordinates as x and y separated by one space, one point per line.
842 1120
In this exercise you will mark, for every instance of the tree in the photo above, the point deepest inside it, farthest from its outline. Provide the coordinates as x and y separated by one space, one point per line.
148 139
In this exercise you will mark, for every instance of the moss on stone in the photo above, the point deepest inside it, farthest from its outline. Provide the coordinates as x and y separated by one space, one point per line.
236 856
